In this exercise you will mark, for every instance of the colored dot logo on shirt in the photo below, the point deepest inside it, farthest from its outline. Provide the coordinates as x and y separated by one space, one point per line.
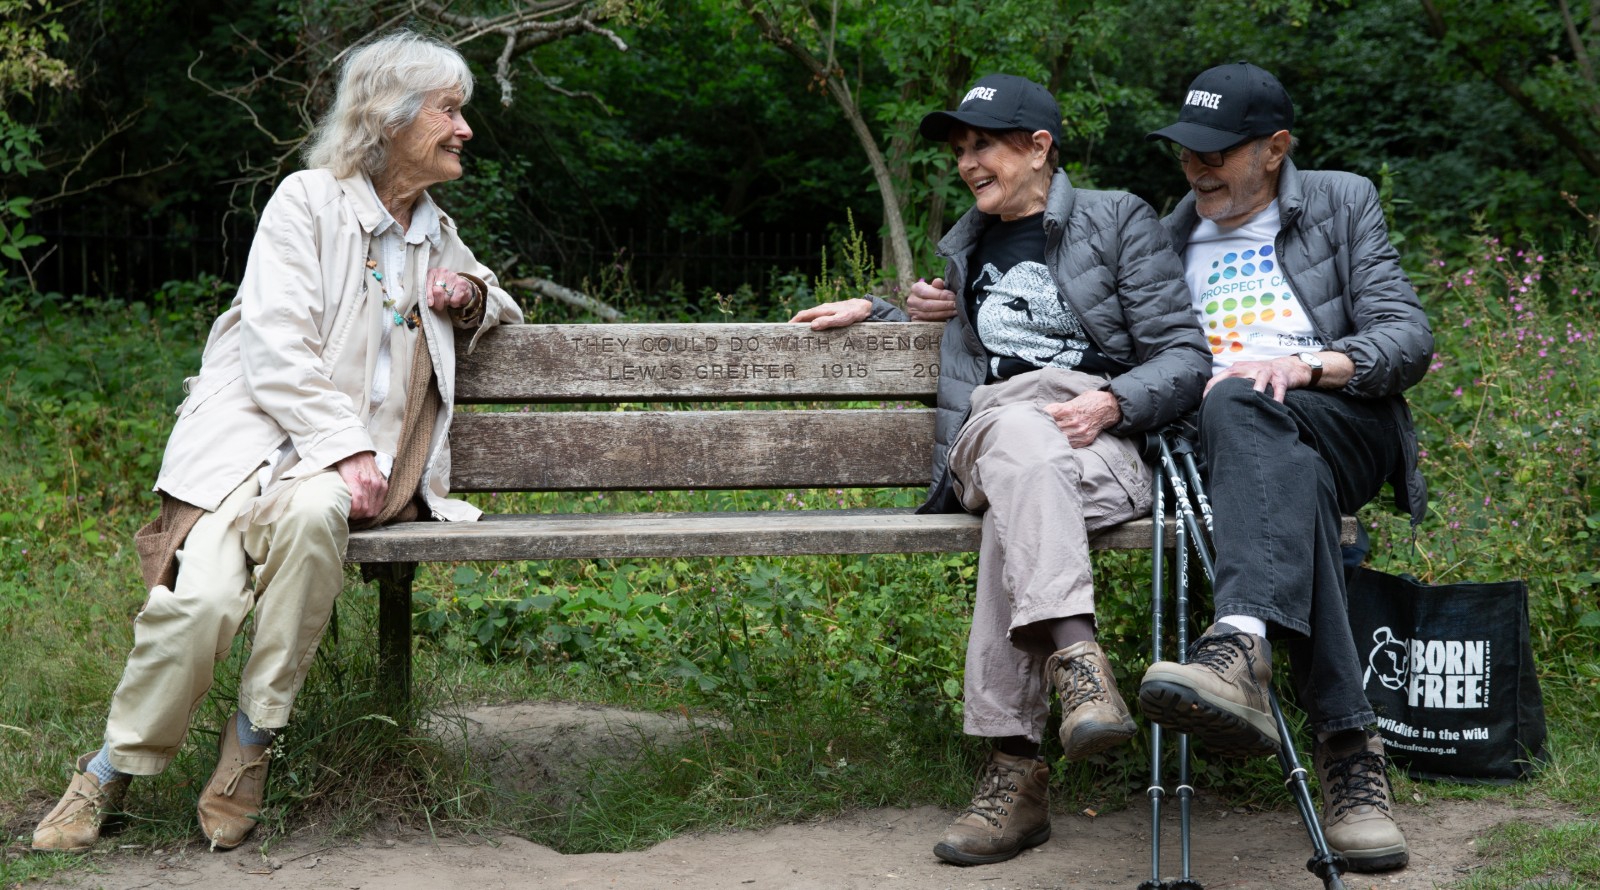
1248 318
1212 307
1267 298
1268 315
1230 304
1230 321
1248 302
1246 268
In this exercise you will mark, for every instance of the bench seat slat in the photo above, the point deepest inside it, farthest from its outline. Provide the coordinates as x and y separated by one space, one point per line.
511 537
691 450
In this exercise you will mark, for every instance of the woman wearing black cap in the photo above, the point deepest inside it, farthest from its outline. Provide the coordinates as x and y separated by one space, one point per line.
1070 334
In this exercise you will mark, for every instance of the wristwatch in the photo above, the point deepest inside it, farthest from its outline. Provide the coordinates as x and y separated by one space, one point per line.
1314 363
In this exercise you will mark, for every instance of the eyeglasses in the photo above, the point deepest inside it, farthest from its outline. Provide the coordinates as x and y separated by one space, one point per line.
1209 158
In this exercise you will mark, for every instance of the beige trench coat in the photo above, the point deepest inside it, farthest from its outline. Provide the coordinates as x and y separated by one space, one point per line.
292 359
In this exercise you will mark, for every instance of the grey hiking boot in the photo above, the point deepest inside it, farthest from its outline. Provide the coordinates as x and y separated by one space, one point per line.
74 825
1093 714
1356 814
1220 696
1010 812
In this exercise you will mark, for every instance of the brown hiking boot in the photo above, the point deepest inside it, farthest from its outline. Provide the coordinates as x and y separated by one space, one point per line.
1093 714
1220 696
74 825
1356 814
231 802
1010 812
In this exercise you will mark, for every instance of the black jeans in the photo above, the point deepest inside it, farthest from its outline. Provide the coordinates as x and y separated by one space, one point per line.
1279 477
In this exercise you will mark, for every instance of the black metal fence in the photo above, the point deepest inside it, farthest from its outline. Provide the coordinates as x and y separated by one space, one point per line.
132 258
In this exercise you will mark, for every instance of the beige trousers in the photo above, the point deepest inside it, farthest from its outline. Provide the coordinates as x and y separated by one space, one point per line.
290 571
1040 499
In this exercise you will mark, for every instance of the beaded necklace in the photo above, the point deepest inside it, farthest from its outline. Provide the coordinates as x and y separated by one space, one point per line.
411 319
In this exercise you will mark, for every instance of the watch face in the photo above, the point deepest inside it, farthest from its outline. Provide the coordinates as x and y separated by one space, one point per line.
1310 358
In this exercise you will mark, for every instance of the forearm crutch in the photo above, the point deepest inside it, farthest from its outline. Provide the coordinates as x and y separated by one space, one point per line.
1165 477
1324 863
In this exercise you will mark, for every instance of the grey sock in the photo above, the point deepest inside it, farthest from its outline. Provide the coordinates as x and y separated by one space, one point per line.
250 734
100 767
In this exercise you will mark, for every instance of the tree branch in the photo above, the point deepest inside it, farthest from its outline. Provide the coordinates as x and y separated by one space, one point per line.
834 83
548 288
1577 145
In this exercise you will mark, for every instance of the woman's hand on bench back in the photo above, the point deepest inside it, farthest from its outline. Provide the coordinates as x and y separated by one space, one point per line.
840 314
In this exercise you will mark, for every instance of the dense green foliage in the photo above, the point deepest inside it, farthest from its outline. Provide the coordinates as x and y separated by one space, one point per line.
703 129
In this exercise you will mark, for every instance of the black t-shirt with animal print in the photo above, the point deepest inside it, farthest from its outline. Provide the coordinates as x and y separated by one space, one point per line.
1024 322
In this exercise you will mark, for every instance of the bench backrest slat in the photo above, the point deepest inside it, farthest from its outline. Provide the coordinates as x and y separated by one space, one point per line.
647 450
702 362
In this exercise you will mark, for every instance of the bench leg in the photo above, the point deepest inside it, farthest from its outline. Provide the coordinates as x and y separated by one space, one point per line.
394 635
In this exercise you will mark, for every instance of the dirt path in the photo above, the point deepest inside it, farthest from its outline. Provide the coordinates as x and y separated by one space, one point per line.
870 849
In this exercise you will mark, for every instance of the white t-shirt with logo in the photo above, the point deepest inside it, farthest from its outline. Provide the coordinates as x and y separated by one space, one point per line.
1242 299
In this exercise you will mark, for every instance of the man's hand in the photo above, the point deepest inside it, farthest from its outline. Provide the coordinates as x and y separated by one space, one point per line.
1288 372
368 488
840 314
930 301
1082 418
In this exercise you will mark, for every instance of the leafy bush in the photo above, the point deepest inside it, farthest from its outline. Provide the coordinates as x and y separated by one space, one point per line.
1506 421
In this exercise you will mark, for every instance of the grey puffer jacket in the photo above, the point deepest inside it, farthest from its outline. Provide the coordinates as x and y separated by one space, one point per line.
1334 249
1113 264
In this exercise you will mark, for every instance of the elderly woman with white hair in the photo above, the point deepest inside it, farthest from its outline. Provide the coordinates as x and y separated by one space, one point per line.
322 404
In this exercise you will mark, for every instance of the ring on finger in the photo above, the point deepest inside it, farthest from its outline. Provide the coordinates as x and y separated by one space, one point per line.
442 286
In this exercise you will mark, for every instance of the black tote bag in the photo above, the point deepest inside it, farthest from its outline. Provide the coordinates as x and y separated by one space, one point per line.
1449 671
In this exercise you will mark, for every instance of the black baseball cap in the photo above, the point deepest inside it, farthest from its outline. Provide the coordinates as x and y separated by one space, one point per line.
999 102
1227 105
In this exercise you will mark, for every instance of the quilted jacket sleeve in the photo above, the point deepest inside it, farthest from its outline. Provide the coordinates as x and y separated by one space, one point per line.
1171 360
1392 343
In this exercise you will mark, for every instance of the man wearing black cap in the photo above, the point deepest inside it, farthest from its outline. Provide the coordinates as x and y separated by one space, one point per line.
1314 332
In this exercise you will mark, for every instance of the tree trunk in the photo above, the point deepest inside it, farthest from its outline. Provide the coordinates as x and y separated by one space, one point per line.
899 243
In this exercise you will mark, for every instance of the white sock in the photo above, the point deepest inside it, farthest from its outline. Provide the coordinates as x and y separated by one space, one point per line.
1246 623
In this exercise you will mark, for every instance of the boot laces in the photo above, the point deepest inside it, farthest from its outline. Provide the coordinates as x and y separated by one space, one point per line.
1361 779
994 792
238 772
1083 682
1219 651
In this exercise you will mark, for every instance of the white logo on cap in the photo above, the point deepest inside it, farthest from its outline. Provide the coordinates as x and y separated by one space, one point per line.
1203 99
984 93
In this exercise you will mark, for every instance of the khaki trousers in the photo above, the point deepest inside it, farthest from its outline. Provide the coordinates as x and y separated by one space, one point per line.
290 571
1040 499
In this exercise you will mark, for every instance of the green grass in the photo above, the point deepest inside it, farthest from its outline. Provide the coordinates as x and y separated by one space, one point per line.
834 681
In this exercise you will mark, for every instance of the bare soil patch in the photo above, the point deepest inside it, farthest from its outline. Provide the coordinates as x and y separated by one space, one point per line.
532 744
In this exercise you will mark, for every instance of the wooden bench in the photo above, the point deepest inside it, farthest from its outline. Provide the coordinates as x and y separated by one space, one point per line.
638 435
